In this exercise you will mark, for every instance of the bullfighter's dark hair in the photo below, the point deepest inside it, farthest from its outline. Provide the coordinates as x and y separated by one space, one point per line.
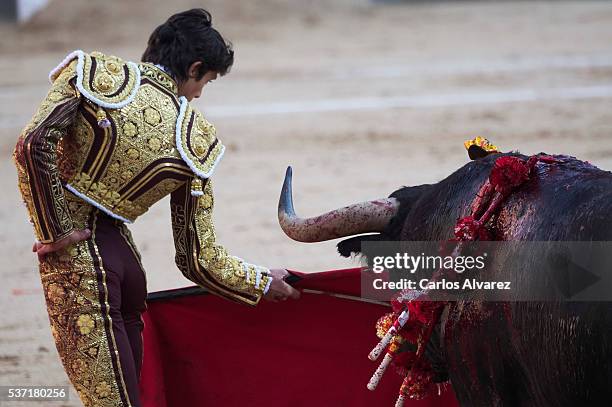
188 37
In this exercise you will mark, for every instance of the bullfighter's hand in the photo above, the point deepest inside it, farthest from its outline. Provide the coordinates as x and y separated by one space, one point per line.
42 249
279 290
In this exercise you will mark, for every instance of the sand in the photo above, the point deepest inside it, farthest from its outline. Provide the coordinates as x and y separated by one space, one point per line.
359 97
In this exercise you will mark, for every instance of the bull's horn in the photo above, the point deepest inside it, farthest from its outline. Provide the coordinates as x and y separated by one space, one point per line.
364 217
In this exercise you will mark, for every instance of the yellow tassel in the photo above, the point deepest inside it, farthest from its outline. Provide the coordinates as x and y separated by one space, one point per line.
196 187
102 119
479 147
483 143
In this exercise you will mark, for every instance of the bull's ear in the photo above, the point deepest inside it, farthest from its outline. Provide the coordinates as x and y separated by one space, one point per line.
352 246
479 147
475 152
409 195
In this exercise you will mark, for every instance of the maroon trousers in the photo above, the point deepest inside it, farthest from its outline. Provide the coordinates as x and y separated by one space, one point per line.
127 292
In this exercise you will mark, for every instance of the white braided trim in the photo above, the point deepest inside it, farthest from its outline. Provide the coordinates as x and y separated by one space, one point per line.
99 102
179 144
96 204
79 82
197 193
265 291
257 277
55 71
259 273
247 271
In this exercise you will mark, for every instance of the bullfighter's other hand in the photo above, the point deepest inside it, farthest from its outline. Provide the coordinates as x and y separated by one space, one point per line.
42 249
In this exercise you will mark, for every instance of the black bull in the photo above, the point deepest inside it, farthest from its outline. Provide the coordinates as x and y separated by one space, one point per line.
518 353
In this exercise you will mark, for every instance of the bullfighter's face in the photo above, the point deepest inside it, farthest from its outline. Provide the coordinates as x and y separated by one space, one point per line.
193 87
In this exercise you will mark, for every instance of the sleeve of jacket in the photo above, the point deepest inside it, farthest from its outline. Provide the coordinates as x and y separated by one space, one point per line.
36 158
205 262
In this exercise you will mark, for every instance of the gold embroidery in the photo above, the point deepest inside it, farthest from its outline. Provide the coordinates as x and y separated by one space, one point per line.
110 199
77 319
157 75
133 154
108 82
227 269
206 130
198 143
44 134
104 82
71 147
130 129
113 65
205 202
115 166
56 293
82 181
85 323
154 144
152 116
199 146
103 390
226 281
146 129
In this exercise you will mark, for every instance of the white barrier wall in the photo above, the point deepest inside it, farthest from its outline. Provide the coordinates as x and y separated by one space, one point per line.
26 8
20 10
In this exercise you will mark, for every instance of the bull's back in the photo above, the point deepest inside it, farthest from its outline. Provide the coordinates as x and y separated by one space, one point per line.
527 353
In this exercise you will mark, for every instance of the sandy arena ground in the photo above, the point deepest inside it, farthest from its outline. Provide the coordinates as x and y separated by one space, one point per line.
360 97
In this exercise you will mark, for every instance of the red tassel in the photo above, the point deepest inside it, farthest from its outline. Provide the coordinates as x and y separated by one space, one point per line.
508 173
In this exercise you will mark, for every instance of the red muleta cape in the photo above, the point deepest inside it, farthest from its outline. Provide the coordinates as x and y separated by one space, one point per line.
201 350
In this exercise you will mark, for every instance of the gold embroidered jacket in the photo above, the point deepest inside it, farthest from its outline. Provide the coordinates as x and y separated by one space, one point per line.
116 135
